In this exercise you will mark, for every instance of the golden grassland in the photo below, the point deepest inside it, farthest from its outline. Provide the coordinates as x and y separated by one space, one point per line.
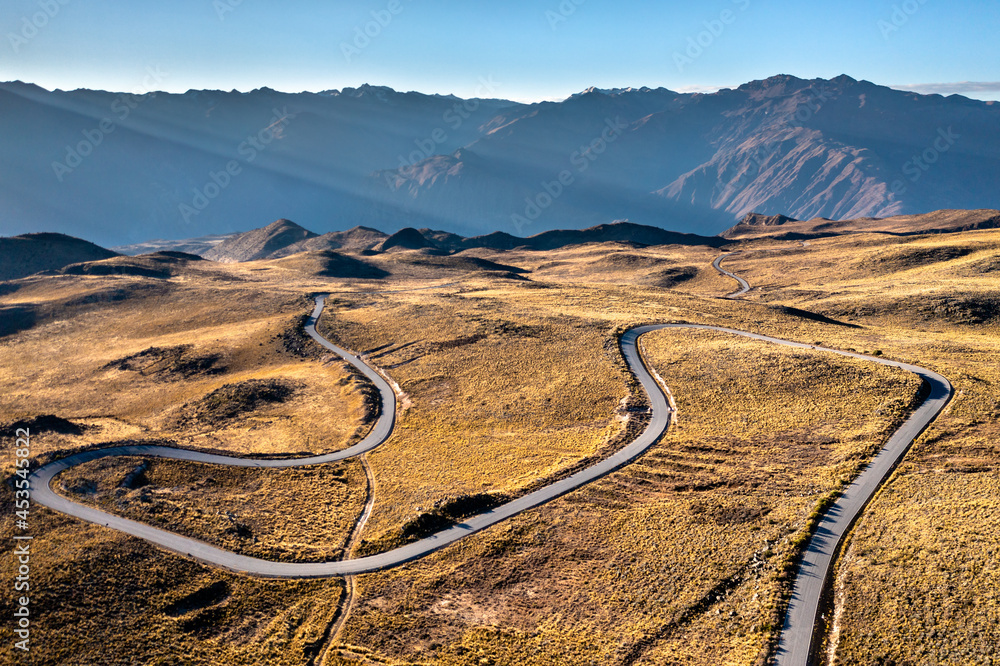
496 394
297 515
67 366
688 544
679 558
918 580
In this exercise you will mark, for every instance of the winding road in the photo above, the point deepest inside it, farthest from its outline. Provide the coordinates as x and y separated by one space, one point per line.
797 634
799 640
744 285
41 481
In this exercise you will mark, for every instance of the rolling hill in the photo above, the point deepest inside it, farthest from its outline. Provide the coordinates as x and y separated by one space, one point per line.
942 221
281 239
21 256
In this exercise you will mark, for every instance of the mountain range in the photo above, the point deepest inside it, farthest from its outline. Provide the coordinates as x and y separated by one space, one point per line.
284 238
341 253
122 169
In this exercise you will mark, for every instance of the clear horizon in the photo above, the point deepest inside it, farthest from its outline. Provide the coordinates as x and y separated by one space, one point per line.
532 51
964 88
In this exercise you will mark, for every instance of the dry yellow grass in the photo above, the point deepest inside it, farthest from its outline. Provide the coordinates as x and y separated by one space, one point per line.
918 582
67 366
497 394
297 515
679 558
630 567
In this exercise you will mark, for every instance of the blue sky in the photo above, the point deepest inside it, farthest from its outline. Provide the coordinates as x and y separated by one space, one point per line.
529 50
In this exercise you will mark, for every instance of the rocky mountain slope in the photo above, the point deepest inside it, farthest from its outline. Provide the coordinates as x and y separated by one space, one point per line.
121 169
260 243
841 149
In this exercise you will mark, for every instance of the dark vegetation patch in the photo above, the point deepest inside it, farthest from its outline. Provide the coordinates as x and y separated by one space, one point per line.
508 329
727 515
622 260
158 265
962 309
41 424
16 319
371 399
459 342
914 257
503 275
210 595
83 487
444 514
671 277
171 256
330 264
116 268
336 265
982 267
232 400
294 340
118 294
173 362
137 477
204 624
814 316
458 262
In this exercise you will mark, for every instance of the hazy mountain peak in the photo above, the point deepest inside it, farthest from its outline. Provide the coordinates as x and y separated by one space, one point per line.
405 239
612 92
844 78
285 225
368 90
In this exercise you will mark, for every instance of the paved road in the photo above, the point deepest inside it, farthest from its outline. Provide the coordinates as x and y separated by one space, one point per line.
796 635
42 478
744 285
796 643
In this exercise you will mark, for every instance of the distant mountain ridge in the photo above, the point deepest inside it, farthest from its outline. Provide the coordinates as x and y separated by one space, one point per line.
358 239
780 227
330 255
197 246
121 169
841 149
277 240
